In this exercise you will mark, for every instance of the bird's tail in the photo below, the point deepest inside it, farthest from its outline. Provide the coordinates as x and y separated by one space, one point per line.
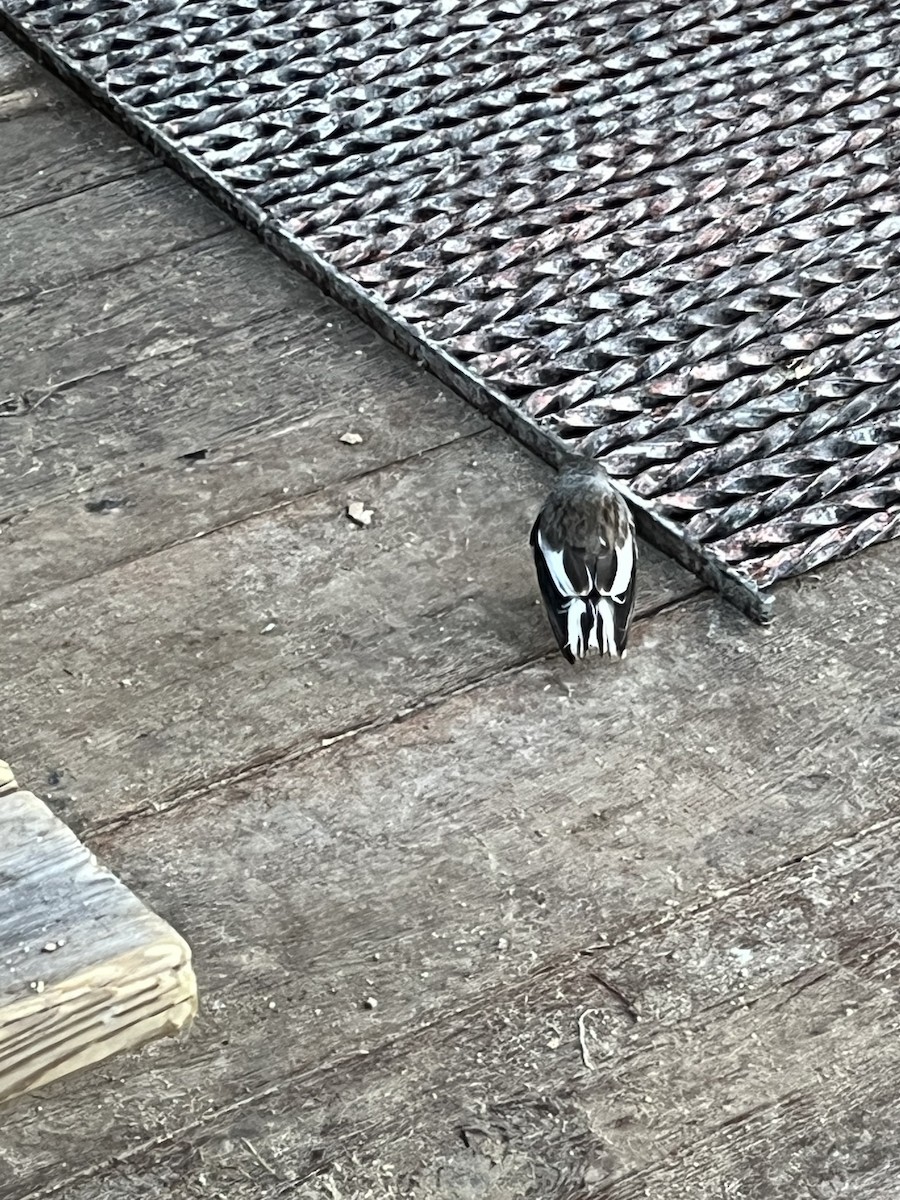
606 619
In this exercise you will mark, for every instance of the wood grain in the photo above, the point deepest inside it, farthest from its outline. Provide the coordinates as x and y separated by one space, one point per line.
51 155
90 232
175 671
131 312
475 881
162 360
24 87
86 970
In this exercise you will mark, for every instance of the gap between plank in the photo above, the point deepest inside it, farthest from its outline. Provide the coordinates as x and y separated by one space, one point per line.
411 1037
125 265
256 769
144 169
230 524
55 390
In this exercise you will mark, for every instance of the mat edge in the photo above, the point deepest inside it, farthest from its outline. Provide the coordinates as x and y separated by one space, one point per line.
661 533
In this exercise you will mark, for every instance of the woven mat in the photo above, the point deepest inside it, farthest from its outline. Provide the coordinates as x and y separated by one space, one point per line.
666 234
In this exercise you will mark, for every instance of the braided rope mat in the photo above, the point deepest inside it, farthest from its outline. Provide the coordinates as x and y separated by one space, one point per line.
662 233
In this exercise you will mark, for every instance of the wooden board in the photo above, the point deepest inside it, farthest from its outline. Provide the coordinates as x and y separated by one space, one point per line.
141 366
86 970
473 880
77 233
184 669
51 155
467 922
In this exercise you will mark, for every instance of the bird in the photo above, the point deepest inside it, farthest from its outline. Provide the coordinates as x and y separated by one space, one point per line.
585 552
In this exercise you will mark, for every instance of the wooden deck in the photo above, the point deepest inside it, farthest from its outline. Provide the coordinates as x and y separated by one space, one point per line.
466 922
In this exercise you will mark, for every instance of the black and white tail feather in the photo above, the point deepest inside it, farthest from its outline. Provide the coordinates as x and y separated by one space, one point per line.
585 552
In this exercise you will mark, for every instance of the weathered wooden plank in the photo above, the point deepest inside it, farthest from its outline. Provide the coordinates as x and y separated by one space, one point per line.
560 1093
454 867
84 234
48 156
86 970
837 1138
97 325
258 641
138 512
121 371
8 783
570 1075
121 512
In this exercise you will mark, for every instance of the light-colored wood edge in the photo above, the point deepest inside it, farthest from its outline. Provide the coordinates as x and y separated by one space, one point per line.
18 103
7 779
116 1004
140 996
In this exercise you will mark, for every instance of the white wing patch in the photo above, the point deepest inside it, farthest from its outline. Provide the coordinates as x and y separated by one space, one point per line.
575 638
624 568
606 617
556 567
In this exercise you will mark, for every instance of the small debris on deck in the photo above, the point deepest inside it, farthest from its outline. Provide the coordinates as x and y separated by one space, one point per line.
358 513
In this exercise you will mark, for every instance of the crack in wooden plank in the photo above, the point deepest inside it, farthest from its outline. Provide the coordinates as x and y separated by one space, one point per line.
64 385
174 248
85 189
266 510
608 986
262 764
